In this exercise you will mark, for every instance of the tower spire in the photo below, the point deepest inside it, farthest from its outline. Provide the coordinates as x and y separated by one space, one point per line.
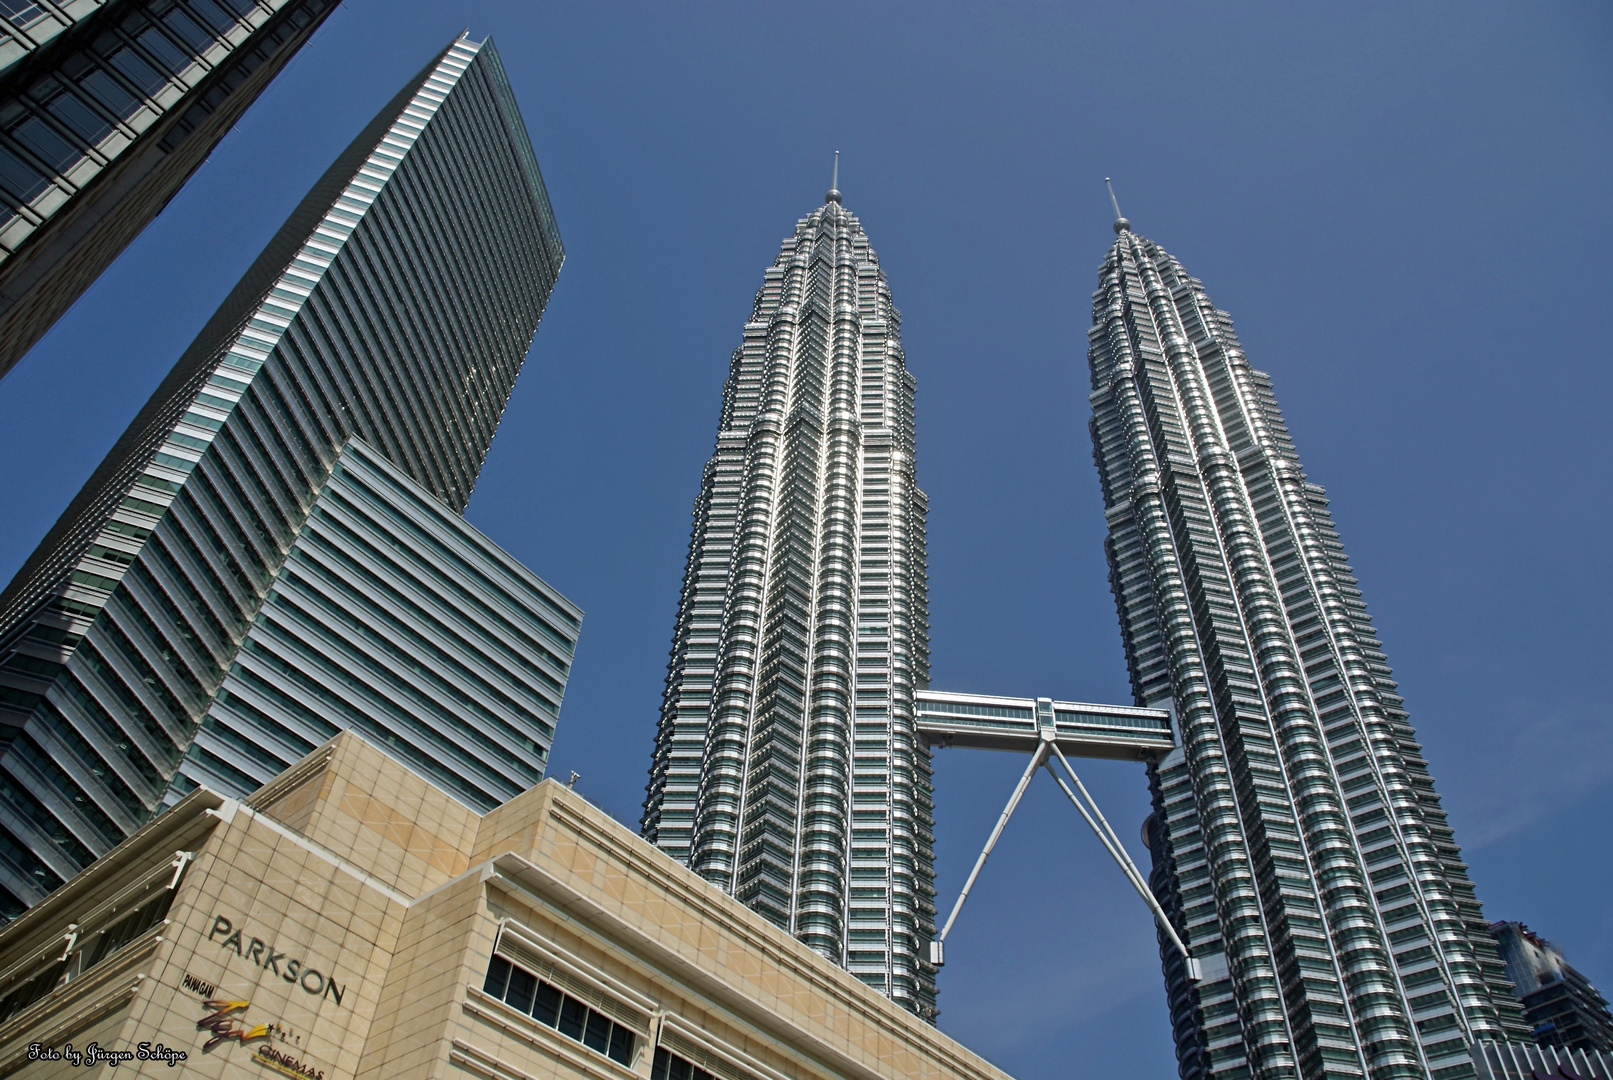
834 182
1121 224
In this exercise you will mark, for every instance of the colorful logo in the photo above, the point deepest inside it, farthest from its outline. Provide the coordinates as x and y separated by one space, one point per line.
225 1025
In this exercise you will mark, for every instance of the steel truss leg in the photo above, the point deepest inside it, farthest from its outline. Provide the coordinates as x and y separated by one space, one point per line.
937 952
1117 851
1100 828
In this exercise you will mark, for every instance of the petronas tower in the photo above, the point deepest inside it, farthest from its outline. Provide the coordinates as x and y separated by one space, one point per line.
1297 841
786 769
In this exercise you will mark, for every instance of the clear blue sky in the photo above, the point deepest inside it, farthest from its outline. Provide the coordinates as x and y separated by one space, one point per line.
1406 209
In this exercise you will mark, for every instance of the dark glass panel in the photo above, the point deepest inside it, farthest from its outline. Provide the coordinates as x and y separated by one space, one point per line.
522 983
573 1018
498 974
49 146
26 864
213 15
596 1034
621 1045
21 179
168 54
20 800
67 788
21 12
546 1005
186 30
136 70
32 990
107 90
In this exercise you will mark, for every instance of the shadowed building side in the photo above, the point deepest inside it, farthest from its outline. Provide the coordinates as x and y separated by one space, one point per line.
394 617
1560 1005
106 109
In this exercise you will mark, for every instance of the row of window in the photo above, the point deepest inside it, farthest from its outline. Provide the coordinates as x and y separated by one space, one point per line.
952 708
548 1005
106 84
669 1066
88 946
362 527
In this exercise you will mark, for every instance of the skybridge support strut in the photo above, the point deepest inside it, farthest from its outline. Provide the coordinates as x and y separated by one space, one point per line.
1046 749
1038 758
1117 851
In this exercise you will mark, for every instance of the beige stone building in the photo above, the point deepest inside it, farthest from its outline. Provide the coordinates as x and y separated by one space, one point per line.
349 920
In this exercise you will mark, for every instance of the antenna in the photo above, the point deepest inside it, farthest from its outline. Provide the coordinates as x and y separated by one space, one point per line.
834 182
1121 224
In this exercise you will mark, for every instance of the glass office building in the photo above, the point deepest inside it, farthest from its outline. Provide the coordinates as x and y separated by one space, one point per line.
394 617
1297 840
394 307
1560 1005
106 109
786 767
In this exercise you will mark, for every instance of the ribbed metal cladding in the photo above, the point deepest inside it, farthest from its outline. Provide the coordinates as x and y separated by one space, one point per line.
106 109
396 618
396 305
1298 843
786 769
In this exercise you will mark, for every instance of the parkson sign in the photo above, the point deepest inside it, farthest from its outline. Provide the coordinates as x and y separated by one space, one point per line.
262 954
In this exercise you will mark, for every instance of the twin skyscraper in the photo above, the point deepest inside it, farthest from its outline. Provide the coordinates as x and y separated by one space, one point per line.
1299 849
274 552
787 769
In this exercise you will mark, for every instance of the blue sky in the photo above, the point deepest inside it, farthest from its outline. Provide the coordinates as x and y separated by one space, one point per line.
1405 209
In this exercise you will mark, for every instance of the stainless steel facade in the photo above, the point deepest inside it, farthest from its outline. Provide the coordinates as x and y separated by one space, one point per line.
1297 840
787 769
106 108
396 305
394 617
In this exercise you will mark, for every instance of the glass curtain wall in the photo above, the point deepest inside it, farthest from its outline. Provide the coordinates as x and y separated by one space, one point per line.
396 305
106 109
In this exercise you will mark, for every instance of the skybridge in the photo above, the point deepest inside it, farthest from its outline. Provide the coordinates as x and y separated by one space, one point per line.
1048 730
981 722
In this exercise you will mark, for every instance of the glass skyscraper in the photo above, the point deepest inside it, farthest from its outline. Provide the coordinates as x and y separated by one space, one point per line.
1560 1005
392 616
106 108
380 331
1297 840
786 766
